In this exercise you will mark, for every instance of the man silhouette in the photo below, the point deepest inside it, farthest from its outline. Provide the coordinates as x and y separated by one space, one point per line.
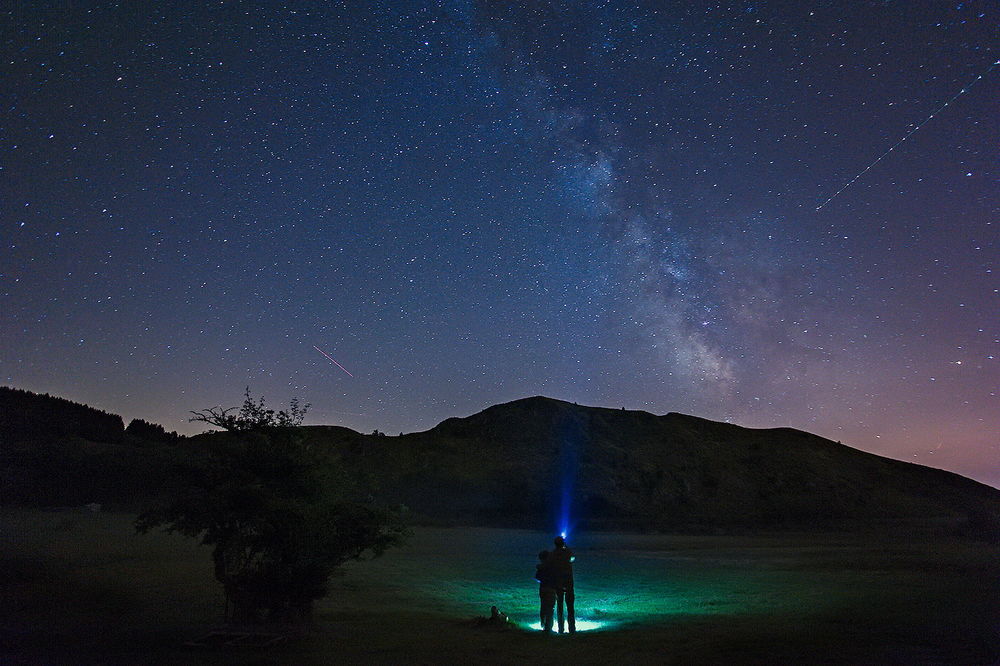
547 579
561 559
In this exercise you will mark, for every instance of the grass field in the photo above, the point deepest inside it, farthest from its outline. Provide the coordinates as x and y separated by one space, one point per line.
83 588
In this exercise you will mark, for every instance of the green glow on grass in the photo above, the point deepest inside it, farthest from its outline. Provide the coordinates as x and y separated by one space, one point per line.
581 625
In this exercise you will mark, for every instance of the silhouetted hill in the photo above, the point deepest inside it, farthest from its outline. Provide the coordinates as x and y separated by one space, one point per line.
57 452
27 415
508 464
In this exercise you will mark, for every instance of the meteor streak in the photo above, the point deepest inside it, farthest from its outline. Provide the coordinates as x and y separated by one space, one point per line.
908 135
332 359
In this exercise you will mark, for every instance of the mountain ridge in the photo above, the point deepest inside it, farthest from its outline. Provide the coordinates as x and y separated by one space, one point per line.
523 462
509 463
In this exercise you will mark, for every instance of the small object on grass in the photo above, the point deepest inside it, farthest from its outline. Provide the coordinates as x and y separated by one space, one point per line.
497 620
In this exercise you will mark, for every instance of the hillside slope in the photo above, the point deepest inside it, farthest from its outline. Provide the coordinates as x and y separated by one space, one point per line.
511 463
519 464
55 452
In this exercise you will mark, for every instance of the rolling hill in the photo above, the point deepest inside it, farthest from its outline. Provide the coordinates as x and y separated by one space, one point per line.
510 464
518 464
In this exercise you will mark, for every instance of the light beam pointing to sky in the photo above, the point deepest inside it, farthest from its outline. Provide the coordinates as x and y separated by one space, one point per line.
909 134
332 359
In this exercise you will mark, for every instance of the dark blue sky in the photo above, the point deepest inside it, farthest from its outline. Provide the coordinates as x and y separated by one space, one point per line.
465 203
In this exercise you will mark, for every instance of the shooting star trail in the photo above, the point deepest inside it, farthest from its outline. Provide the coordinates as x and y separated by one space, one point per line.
332 359
909 134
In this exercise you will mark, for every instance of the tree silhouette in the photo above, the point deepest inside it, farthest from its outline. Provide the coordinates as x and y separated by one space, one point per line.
280 515
253 415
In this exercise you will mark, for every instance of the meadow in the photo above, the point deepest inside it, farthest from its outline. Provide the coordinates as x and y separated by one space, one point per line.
82 587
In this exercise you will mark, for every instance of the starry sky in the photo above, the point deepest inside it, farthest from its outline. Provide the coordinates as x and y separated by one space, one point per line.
622 204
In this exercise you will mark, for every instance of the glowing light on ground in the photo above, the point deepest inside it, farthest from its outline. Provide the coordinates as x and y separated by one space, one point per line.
581 625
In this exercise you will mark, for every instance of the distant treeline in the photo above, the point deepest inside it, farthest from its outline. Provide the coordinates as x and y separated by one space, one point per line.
25 415
55 452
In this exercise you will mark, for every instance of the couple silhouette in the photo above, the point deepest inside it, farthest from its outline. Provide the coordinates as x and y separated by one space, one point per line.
554 574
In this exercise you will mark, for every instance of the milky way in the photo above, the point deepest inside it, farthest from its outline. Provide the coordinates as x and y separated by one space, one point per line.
605 202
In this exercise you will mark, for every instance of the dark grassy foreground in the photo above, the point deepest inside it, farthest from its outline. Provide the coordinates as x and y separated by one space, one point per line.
82 588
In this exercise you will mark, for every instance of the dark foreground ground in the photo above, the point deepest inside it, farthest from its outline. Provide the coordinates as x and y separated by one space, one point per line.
82 588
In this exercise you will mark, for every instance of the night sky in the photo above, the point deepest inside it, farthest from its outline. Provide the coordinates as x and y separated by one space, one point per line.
615 203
